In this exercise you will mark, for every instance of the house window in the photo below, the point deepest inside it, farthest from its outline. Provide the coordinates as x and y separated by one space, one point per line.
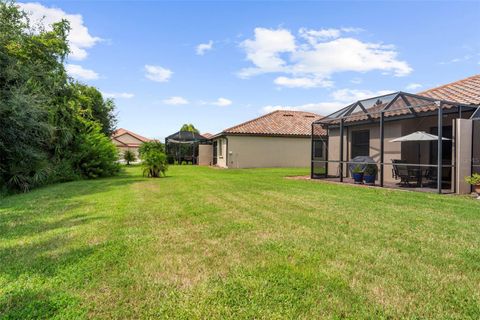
318 148
220 148
360 143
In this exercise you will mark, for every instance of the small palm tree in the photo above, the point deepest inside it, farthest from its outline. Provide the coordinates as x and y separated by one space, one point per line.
129 156
154 164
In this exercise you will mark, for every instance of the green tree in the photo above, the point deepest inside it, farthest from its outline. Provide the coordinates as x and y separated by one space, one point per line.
129 156
94 107
31 74
189 127
154 164
97 156
150 146
46 119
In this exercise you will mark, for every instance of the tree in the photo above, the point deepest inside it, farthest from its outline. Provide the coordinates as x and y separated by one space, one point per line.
189 127
97 156
94 107
129 156
149 146
154 164
51 127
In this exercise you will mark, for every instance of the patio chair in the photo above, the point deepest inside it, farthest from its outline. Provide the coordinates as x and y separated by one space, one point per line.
431 175
402 172
395 168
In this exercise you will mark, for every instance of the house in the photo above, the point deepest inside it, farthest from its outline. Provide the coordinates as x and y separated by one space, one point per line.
447 116
127 140
277 139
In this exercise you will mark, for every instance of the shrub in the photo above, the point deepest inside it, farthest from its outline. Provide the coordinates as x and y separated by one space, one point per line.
357 169
97 156
129 156
150 146
154 164
474 179
371 169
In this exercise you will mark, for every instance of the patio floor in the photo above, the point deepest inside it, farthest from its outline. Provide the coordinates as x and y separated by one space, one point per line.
390 185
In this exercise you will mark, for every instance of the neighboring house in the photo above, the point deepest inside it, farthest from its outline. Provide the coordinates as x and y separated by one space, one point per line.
128 140
277 139
207 135
367 128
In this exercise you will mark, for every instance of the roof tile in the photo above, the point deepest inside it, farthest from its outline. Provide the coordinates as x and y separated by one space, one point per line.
464 91
278 123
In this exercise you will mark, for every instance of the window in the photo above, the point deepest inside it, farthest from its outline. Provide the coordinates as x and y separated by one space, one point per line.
360 143
220 148
318 149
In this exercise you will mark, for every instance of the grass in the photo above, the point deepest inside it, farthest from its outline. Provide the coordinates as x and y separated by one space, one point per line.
215 244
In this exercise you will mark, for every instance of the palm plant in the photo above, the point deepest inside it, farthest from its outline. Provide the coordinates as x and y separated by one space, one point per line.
154 164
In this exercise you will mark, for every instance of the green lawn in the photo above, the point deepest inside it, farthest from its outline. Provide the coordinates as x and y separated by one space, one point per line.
213 244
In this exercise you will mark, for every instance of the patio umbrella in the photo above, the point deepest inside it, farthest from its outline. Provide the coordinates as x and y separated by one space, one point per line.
418 136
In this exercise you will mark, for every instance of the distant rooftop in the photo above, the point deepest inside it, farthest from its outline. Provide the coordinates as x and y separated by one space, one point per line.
277 123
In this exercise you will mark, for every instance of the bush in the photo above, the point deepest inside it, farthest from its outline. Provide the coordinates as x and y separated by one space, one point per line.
97 156
474 179
371 169
150 146
154 164
129 156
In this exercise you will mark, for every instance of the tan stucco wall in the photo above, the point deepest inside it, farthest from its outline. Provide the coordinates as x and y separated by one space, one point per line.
126 138
205 154
391 150
463 150
265 152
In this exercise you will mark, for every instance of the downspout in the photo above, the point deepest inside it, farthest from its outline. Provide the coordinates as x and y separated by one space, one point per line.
226 151
311 154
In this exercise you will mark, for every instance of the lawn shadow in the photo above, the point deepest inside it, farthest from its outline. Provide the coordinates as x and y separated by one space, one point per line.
27 303
35 212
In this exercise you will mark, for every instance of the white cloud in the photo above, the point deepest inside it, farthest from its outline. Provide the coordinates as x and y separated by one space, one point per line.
304 82
174 101
204 47
157 73
118 95
339 99
322 108
79 37
79 72
348 96
264 50
413 86
356 80
222 102
315 55
315 36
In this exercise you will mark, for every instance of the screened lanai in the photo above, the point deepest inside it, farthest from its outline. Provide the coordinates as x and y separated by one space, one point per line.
406 140
183 147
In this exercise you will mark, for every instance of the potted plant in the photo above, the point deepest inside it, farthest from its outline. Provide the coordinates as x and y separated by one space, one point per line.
474 180
357 173
370 173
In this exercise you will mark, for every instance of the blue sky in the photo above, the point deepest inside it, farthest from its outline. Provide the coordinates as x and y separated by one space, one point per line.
216 64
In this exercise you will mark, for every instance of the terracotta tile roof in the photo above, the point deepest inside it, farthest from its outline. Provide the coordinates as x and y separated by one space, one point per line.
464 91
207 135
120 132
277 123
